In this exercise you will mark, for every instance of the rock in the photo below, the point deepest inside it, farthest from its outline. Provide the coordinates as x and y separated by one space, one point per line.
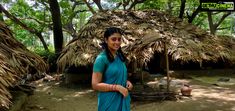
223 79
153 84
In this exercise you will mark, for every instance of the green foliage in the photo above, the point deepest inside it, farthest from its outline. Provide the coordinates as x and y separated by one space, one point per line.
30 15
153 4
190 6
232 19
66 11
50 56
36 15
6 1
201 20
226 25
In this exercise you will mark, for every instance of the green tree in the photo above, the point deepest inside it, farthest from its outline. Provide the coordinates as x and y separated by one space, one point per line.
57 25
189 10
36 16
23 25
214 26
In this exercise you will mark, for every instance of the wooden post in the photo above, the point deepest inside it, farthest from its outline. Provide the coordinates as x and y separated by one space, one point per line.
167 65
142 75
134 65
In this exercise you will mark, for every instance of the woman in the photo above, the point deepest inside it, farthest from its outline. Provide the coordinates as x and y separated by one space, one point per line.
110 74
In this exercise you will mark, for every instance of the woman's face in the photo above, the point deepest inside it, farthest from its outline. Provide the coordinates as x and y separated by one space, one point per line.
114 42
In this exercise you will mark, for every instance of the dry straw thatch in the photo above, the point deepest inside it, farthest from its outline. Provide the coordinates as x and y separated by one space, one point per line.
145 33
16 61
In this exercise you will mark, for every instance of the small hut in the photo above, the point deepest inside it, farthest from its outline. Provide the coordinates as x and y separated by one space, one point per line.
16 63
145 35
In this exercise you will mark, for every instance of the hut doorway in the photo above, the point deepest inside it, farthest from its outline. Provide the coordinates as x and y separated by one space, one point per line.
78 74
156 63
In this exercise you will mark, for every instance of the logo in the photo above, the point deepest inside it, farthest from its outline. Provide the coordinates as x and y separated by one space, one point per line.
217 5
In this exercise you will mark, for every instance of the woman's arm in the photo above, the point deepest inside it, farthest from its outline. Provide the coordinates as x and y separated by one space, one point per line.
99 86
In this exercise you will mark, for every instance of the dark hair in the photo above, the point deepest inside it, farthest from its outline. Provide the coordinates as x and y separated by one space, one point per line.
108 32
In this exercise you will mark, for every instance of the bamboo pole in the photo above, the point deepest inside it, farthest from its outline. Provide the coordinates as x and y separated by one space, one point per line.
142 75
167 65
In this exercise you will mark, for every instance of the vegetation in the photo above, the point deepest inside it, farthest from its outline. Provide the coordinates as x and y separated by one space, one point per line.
36 17
47 26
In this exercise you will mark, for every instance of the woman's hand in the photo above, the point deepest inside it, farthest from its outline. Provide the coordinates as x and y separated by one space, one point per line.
122 90
129 85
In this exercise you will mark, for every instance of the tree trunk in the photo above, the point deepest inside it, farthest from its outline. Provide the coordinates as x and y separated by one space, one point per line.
191 18
17 21
1 16
97 2
69 26
182 7
135 2
222 19
90 8
125 3
214 26
211 25
57 25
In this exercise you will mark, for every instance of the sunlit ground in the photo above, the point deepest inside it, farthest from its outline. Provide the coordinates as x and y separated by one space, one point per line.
208 95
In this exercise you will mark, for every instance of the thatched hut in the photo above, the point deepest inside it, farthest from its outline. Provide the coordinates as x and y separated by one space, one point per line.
145 35
16 63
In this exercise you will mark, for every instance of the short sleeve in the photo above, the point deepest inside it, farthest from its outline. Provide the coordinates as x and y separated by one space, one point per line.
99 64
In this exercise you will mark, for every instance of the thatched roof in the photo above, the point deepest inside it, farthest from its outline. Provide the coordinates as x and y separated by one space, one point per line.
188 49
16 62
145 32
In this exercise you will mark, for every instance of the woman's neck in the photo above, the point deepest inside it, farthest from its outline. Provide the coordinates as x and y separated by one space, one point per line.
113 52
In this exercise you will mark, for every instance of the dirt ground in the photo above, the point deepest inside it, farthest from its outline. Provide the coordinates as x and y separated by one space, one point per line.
208 95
